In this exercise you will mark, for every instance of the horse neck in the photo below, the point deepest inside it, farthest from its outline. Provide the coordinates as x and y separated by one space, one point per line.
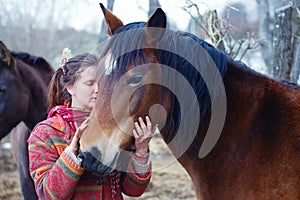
37 86
251 99
240 85
247 89
252 96
243 84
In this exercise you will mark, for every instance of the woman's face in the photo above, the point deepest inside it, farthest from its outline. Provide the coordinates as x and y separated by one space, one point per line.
85 89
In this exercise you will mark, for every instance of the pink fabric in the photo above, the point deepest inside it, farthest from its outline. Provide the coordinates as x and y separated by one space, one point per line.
72 116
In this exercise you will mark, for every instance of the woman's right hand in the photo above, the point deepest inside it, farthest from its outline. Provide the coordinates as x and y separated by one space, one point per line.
74 145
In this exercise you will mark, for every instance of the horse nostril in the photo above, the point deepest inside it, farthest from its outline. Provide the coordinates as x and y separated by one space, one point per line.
3 89
130 147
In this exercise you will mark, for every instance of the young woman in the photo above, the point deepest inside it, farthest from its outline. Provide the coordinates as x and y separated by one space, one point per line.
53 144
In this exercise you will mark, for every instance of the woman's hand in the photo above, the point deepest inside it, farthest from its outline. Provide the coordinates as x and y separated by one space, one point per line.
143 134
74 145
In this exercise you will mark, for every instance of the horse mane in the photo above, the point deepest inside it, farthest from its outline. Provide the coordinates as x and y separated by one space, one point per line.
31 60
120 47
180 40
291 84
36 63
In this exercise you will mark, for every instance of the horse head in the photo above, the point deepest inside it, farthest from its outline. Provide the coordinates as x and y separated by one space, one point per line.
129 79
13 93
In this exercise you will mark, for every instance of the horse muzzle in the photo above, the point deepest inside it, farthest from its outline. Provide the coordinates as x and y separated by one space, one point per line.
94 165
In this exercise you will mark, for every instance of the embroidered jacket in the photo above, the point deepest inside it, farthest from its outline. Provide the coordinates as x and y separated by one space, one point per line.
57 176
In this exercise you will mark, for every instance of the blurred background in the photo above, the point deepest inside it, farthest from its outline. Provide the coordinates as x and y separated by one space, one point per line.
250 31
264 34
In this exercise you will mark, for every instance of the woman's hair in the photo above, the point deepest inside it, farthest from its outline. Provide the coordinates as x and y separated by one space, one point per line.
67 75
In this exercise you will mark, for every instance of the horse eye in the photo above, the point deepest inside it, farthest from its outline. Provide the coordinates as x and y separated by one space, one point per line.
135 79
3 88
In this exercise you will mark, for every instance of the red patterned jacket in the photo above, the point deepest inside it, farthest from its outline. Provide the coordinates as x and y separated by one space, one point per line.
57 176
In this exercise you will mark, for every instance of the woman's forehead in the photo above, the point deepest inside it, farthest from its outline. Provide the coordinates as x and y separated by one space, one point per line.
88 72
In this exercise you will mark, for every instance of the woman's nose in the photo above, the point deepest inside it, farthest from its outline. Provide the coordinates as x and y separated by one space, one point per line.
96 87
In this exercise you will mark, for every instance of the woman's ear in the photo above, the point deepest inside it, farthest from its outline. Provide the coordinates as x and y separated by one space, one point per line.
70 89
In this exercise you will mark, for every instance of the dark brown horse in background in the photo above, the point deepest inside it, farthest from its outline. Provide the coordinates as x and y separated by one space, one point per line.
256 155
23 83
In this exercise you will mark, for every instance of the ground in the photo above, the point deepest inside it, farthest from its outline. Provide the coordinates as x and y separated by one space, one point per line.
169 180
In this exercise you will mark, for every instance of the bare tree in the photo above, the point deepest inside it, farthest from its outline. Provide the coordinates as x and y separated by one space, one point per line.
283 43
280 27
279 33
220 31
296 64
265 32
43 27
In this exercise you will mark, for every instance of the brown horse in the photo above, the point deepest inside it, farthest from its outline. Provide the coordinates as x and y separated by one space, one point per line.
24 80
235 131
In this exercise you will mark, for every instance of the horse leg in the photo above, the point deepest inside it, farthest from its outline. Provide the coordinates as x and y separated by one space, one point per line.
19 136
14 140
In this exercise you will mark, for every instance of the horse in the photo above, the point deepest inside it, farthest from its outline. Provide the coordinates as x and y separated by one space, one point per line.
235 131
24 80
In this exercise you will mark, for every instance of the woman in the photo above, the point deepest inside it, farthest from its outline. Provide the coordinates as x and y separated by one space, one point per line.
53 144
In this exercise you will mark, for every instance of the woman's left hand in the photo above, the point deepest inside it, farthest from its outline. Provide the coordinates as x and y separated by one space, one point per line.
143 134
74 145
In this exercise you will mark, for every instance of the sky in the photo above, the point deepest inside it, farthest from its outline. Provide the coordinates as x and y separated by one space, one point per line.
136 10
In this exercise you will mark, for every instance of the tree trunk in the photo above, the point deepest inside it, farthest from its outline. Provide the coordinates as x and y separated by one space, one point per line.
296 53
265 33
296 65
282 43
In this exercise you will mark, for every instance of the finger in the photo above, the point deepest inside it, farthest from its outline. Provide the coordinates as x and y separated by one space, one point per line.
142 124
76 125
138 128
82 127
74 142
149 124
135 134
86 120
78 133
80 130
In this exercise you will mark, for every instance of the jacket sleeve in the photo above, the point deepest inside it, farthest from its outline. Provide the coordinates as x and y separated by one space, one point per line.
135 181
54 173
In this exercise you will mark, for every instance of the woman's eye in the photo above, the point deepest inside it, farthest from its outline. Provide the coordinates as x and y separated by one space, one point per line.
135 79
90 83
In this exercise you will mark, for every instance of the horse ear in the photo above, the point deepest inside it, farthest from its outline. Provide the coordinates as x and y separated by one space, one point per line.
157 20
5 55
113 22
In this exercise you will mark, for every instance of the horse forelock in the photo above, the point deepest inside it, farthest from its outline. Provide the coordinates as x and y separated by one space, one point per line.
124 50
